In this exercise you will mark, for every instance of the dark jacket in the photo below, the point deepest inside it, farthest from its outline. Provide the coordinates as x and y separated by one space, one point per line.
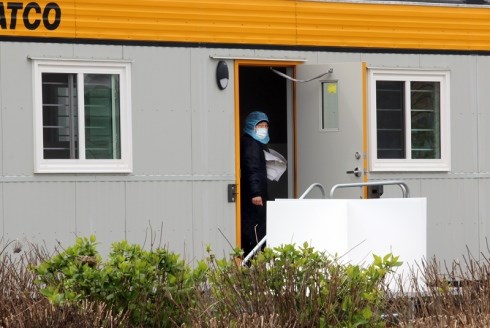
253 169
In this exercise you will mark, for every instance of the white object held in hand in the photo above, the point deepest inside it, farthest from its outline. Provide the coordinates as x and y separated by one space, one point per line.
276 164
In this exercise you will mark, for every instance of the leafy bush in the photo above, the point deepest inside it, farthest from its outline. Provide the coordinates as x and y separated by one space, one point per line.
299 287
153 287
22 305
285 287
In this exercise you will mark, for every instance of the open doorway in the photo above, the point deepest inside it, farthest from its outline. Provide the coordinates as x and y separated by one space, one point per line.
260 89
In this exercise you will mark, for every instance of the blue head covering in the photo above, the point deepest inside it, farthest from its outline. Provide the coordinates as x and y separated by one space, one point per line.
251 121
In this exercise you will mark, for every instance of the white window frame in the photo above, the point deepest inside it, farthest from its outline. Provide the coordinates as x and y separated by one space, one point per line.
408 164
82 165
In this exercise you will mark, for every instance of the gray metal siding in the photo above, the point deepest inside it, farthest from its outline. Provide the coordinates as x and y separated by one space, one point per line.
94 51
100 210
161 207
184 154
484 214
212 225
161 110
16 101
482 88
392 60
452 206
39 212
213 117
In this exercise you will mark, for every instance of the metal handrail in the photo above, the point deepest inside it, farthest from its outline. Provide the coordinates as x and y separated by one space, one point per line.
403 186
310 188
254 250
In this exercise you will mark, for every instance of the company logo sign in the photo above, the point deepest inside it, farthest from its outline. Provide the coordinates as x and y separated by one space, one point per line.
32 15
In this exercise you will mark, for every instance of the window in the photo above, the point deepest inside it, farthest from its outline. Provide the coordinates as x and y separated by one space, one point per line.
330 106
82 116
409 120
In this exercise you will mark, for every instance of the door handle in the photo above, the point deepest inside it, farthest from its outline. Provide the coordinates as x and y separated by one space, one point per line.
357 172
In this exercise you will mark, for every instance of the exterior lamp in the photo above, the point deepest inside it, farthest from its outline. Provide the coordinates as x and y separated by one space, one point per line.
222 75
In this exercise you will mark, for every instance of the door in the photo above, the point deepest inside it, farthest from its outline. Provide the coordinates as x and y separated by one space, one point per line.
331 128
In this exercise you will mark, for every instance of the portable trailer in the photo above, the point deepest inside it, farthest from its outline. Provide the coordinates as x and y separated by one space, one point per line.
113 122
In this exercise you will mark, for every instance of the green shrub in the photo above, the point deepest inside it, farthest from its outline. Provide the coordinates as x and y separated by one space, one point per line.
286 286
300 287
153 287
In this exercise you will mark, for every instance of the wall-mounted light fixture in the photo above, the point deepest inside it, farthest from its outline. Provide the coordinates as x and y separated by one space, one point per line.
222 75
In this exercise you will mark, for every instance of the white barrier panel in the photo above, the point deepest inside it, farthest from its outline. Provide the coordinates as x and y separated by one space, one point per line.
353 228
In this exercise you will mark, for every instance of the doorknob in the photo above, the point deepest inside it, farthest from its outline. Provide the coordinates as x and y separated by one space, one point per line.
357 172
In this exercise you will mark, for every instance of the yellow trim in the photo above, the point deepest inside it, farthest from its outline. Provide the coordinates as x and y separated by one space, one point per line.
395 26
237 155
364 127
295 143
260 22
256 63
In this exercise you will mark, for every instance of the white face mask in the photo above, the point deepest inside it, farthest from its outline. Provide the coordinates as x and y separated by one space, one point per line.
262 133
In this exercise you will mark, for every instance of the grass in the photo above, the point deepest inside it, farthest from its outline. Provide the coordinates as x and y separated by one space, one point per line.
457 296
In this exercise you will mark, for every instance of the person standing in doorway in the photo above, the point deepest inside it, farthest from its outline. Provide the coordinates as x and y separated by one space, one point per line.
253 179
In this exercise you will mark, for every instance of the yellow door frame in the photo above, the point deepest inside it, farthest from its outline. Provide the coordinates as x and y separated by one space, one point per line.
288 64
253 63
365 167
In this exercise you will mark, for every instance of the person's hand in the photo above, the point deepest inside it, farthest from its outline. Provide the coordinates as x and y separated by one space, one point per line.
257 201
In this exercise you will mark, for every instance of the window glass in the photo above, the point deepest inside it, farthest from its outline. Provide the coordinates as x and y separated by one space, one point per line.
60 117
425 119
102 126
330 106
390 119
